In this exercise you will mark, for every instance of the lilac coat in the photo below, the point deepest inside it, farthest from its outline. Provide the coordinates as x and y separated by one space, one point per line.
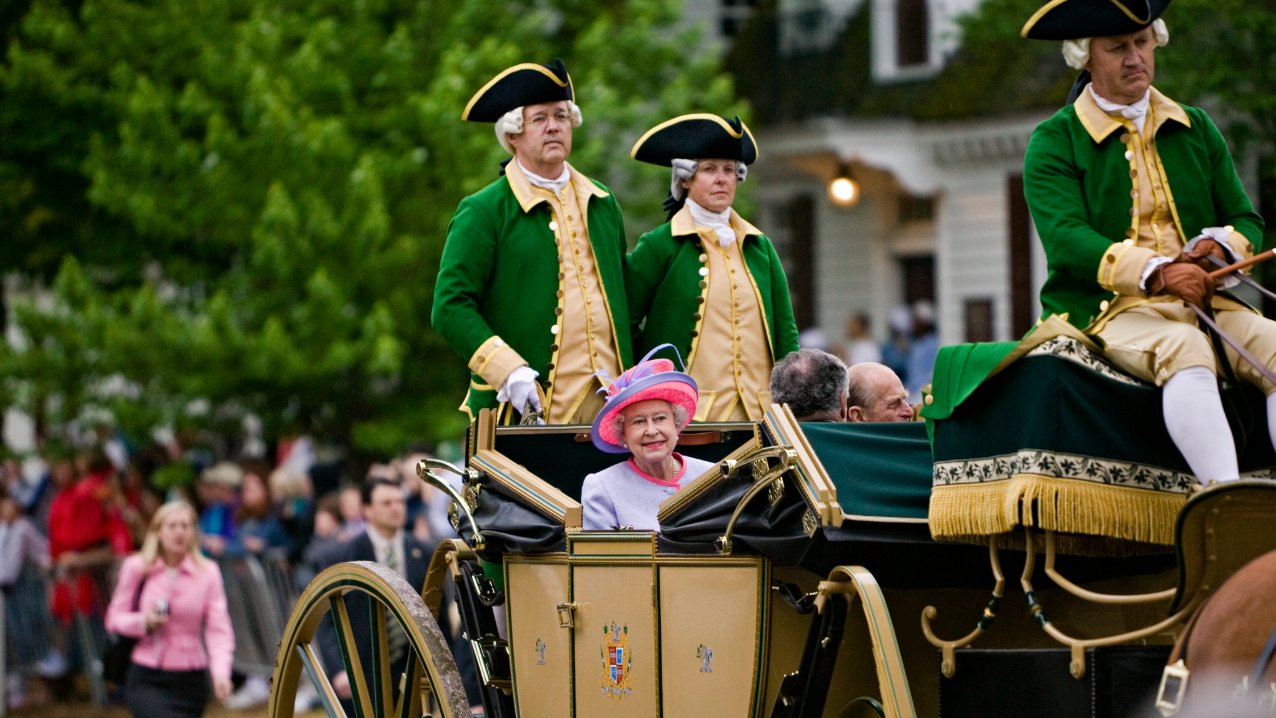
622 497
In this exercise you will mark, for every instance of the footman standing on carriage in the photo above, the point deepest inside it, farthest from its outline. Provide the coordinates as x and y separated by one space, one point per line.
531 284
1136 199
706 281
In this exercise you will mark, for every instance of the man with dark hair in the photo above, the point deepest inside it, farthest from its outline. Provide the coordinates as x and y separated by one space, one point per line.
384 541
813 383
876 394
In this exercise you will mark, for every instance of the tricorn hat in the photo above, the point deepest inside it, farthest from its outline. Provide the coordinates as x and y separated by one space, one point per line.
697 136
523 84
648 379
1074 19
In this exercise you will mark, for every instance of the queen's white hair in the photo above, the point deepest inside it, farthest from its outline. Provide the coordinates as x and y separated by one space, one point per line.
511 123
1077 52
680 419
686 169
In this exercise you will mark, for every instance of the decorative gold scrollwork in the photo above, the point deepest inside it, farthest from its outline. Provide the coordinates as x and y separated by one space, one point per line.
775 492
810 522
471 494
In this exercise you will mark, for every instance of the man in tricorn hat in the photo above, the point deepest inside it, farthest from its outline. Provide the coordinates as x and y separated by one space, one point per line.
531 285
1136 200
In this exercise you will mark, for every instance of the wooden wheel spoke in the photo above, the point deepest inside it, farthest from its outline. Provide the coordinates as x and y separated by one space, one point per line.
430 678
381 667
409 705
323 686
348 645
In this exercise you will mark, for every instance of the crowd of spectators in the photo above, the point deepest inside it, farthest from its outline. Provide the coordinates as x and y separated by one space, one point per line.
908 350
67 521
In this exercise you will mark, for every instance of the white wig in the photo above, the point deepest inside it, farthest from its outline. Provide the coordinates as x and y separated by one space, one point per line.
686 169
511 123
1077 52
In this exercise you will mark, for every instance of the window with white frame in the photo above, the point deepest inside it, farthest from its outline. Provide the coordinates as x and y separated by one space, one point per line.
913 38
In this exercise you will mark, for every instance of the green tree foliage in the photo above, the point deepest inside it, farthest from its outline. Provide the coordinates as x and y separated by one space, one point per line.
244 201
1222 54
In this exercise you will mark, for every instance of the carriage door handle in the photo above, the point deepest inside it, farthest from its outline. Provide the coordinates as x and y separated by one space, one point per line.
566 615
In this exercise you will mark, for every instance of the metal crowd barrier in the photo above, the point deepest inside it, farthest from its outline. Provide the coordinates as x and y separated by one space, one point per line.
259 594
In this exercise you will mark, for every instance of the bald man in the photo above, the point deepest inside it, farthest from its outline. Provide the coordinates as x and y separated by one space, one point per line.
876 394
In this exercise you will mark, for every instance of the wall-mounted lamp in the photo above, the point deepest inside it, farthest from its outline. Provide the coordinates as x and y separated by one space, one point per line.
844 191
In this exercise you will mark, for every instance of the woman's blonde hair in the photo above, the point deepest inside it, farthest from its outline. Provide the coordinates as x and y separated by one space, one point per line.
150 545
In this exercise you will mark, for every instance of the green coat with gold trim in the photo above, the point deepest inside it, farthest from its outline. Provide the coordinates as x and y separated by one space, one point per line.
663 284
1079 193
498 279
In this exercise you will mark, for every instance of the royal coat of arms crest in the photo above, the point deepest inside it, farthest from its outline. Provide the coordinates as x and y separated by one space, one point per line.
616 661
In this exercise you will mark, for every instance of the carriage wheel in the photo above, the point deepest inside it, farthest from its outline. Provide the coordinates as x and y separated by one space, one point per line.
431 673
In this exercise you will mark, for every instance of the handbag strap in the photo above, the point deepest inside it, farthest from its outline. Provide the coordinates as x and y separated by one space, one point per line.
137 592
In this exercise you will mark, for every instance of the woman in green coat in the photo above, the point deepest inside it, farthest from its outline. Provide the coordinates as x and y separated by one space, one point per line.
707 281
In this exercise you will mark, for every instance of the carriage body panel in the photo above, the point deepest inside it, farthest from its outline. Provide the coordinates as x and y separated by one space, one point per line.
713 616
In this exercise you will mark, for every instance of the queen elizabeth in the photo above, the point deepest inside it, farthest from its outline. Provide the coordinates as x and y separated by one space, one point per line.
646 408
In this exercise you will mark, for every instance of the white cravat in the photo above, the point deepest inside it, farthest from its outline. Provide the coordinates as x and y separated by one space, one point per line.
553 185
1137 111
719 222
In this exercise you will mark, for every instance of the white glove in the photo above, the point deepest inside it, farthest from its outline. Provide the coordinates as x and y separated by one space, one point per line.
519 390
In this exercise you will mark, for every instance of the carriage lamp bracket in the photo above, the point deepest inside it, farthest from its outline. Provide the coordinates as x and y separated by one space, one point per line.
465 502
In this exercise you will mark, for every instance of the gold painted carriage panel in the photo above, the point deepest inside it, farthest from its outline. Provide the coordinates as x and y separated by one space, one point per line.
712 627
616 660
540 647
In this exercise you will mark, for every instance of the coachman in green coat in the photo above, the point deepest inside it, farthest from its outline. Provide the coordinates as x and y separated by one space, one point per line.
1136 198
531 283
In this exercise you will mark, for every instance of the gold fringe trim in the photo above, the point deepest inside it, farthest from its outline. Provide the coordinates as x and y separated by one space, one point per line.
978 511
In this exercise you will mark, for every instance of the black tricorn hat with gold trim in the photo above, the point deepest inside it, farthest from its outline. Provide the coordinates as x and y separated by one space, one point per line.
518 86
1074 19
697 136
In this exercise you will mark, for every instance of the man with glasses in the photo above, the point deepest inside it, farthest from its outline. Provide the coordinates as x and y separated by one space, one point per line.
531 279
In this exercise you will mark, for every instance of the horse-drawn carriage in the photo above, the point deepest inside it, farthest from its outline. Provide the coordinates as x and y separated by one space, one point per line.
818 569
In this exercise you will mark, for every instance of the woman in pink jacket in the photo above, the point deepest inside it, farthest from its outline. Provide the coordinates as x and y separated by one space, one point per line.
181 619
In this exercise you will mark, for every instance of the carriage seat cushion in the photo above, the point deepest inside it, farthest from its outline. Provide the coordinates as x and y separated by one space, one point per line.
1057 438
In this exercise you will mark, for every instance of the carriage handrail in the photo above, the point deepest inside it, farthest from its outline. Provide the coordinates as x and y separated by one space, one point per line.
423 470
729 467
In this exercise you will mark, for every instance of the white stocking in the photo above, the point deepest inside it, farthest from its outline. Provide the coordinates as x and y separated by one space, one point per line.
1195 420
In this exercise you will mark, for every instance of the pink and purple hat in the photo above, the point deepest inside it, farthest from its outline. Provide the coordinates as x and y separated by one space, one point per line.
648 379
